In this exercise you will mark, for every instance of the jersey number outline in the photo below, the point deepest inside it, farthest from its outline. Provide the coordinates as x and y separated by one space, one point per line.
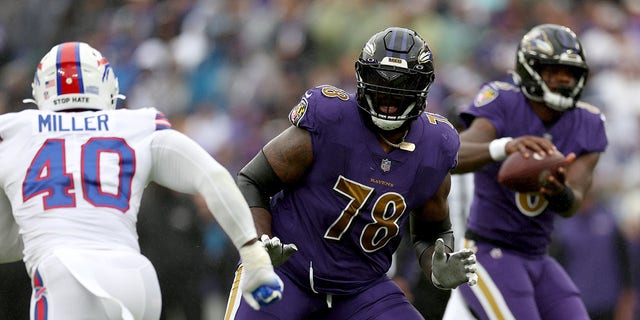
47 174
387 210
333 92
530 204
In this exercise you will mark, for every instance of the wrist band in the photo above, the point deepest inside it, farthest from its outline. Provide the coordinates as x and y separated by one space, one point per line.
562 201
497 148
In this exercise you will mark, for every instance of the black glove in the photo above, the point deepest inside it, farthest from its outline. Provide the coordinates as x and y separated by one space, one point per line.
278 252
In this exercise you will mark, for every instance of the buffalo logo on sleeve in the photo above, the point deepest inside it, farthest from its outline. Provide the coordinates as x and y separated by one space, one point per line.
298 112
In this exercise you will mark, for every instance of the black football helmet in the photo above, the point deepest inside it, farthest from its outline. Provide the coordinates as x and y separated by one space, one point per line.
395 68
550 44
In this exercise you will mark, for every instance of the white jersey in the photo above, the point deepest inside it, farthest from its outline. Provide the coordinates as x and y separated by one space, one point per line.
75 179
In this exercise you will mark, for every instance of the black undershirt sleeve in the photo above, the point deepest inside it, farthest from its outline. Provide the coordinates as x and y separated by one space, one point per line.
258 182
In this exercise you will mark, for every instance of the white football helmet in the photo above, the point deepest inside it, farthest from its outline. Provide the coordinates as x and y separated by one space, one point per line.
73 75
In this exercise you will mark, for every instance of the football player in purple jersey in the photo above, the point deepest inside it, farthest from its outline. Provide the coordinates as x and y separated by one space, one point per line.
342 181
537 111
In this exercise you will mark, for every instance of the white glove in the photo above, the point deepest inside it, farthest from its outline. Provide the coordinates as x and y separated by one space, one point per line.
278 252
448 271
260 285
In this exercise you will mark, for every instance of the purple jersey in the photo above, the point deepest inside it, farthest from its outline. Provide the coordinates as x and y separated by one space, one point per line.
516 220
346 216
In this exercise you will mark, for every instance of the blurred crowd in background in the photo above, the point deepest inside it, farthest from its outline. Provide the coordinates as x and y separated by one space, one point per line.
227 72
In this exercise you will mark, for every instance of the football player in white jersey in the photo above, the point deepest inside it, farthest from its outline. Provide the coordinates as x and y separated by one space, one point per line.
74 172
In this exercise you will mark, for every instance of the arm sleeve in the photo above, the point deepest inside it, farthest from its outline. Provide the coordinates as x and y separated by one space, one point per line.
11 245
425 234
180 164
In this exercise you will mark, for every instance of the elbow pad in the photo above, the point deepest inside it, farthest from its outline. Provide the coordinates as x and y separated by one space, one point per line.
258 182
425 234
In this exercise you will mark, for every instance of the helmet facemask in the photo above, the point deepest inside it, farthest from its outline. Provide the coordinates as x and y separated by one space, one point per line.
393 82
563 99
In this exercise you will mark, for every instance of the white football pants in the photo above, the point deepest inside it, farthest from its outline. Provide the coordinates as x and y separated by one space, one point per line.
75 284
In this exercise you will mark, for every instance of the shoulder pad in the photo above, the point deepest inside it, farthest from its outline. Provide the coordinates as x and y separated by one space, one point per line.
319 97
505 86
491 91
434 118
334 92
589 107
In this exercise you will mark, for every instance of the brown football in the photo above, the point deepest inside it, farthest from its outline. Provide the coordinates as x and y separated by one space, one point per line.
526 174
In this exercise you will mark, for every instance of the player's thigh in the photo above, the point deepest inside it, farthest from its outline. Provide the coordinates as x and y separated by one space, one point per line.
382 301
504 288
557 295
95 285
58 295
131 279
295 303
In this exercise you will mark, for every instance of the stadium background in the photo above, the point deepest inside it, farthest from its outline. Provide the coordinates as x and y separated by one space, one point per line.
227 72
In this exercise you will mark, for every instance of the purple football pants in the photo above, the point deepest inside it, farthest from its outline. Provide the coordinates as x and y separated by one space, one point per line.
515 286
382 301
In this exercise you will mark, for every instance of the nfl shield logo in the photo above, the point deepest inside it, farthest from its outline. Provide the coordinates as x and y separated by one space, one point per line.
385 165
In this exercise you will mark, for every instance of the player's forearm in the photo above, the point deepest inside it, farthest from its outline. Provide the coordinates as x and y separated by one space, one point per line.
579 180
566 203
228 206
182 165
262 220
424 235
424 252
472 156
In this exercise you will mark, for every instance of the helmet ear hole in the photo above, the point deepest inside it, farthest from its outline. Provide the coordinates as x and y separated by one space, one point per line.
73 75
396 64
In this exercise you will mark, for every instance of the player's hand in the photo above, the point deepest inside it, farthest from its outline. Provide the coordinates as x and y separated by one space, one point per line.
527 145
260 285
554 182
278 252
448 271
